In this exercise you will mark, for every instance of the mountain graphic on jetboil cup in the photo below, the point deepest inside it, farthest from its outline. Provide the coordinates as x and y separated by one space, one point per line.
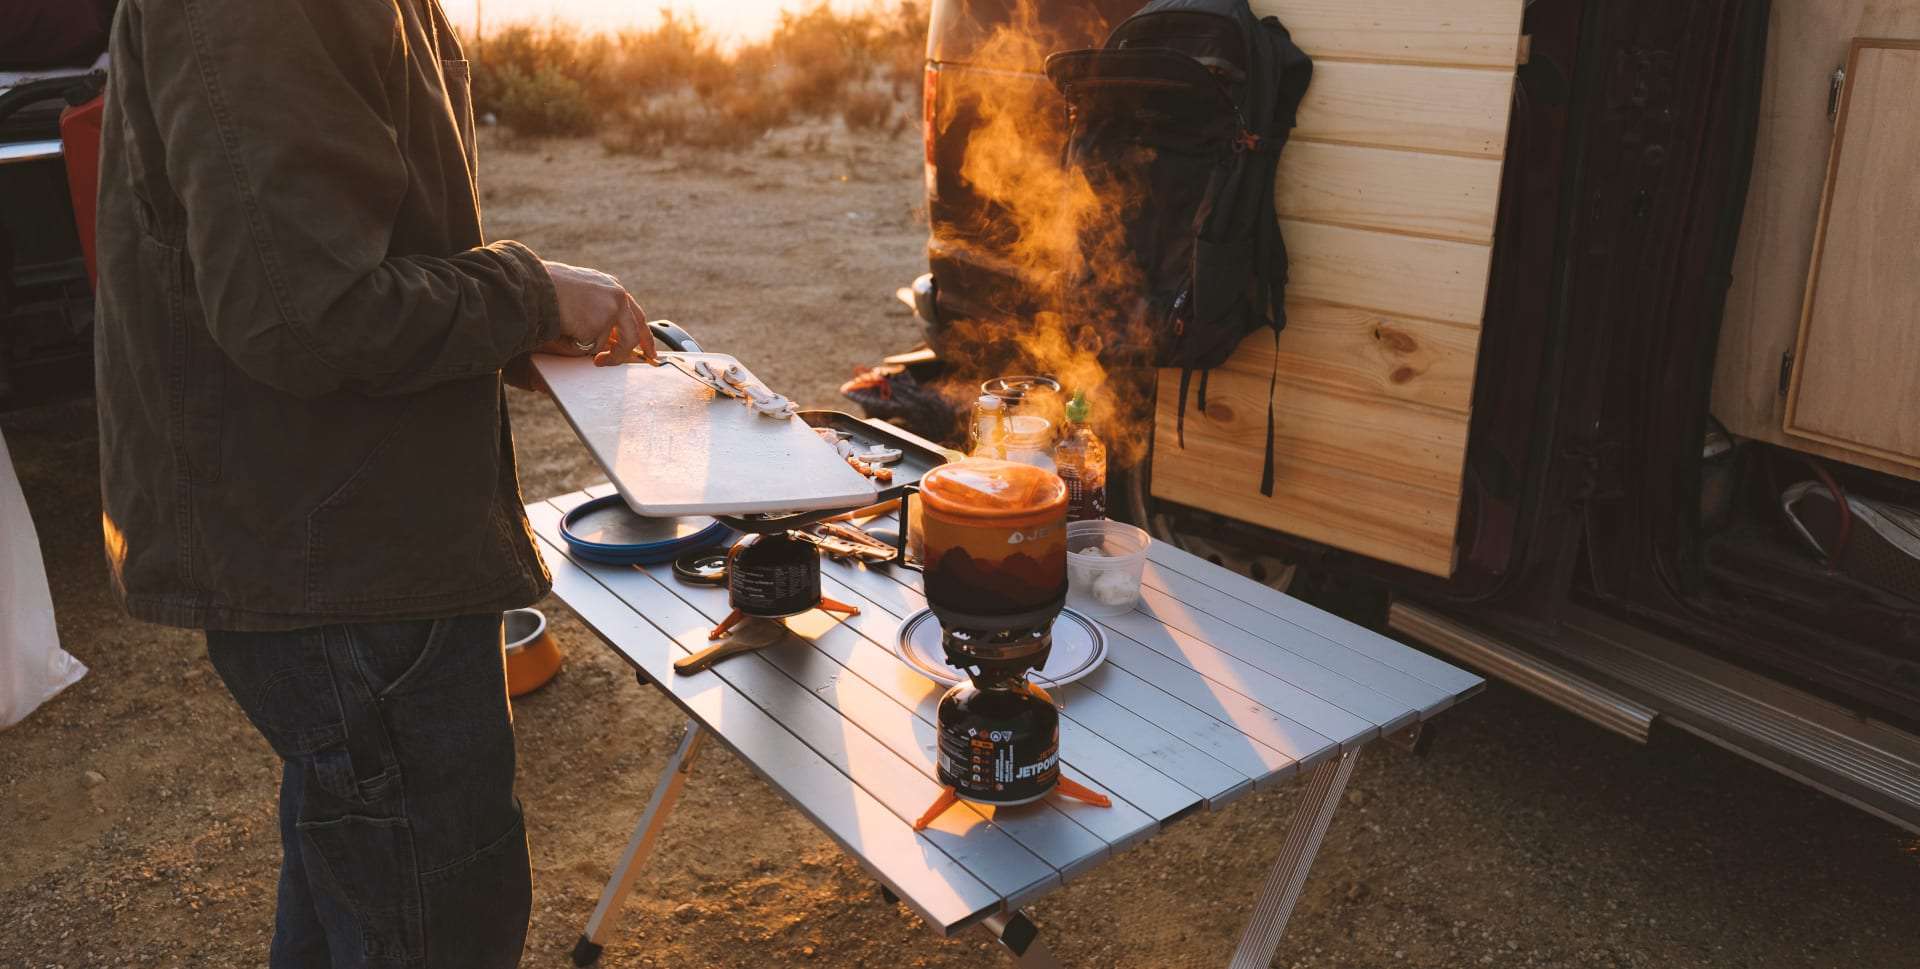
1011 584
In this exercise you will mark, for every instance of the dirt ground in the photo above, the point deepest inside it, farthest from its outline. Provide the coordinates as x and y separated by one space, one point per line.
137 817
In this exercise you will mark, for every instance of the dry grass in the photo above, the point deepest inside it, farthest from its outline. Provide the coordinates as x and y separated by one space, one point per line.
673 83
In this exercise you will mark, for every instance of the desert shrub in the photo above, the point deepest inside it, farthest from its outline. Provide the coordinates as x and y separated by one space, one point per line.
675 54
730 120
674 83
545 102
821 52
719 131
867 109
513 56
902 47
748 112
648 129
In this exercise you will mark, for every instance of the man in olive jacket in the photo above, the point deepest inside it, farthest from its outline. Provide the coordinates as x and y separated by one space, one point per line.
304 441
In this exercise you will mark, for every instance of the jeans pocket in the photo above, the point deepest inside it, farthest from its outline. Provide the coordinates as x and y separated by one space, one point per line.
477 908
284 684
392 656
367 866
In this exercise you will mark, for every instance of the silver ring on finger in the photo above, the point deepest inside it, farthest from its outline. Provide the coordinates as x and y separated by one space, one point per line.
585 346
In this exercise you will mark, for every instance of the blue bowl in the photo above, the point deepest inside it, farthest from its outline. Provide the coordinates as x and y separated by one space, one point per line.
605 530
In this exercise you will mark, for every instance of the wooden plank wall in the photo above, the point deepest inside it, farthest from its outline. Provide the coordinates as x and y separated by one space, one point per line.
1807 40
1387 198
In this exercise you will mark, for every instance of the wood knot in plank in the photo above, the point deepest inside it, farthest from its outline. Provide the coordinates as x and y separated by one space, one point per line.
1395 340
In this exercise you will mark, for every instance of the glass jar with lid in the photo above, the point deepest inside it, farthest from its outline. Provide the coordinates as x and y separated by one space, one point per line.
1030 441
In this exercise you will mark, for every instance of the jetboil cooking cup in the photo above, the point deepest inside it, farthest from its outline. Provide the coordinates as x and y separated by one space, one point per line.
995 574
995 536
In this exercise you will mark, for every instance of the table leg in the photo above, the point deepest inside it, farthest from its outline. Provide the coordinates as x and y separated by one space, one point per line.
1022 938
665 793
1261 939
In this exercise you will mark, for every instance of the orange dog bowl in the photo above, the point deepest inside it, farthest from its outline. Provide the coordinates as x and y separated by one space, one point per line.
533 655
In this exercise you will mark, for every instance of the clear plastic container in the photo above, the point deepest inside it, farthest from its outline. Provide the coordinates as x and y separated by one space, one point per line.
1105 562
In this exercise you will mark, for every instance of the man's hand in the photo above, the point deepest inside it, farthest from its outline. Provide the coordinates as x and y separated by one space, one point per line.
598 317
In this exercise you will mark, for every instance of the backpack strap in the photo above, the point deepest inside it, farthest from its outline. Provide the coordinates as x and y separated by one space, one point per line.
1273 387
1180 414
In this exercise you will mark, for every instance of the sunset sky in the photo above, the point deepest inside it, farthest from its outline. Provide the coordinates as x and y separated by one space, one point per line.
737 19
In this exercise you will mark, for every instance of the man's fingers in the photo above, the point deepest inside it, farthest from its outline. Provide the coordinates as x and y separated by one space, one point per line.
626 336
648 351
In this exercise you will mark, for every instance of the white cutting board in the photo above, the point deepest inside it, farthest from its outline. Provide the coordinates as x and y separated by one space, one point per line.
672 446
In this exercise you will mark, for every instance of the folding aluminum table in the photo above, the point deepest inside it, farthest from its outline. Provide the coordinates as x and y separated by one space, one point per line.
1213 687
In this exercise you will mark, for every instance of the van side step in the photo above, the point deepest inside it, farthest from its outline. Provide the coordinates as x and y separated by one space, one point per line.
1871 765
1541 677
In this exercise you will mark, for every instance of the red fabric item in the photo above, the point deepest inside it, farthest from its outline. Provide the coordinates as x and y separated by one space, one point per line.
80 139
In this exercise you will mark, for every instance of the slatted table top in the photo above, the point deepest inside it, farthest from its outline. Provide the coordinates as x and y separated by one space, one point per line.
1215 686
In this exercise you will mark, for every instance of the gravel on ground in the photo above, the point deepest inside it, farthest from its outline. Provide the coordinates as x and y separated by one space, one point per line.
137 809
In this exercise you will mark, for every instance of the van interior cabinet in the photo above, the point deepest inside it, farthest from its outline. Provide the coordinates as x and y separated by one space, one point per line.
1808 40
1856 365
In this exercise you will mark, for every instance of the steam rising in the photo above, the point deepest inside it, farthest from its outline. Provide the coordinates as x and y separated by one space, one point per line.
1063 234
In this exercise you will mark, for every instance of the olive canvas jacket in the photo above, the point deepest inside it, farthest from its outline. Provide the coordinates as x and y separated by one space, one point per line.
300 331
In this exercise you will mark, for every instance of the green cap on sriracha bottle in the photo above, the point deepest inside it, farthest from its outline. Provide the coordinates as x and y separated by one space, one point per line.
1077 408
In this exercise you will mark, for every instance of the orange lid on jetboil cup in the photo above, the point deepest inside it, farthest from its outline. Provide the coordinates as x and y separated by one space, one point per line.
994 535
989 490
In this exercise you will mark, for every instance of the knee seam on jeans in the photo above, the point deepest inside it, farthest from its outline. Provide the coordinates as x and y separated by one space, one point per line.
519 824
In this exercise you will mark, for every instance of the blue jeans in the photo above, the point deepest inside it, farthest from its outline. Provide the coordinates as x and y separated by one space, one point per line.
403 845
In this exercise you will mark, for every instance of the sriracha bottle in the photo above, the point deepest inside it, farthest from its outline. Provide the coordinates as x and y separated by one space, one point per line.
1082 462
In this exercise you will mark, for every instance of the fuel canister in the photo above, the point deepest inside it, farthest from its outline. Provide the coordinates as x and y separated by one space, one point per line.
999 742
773 576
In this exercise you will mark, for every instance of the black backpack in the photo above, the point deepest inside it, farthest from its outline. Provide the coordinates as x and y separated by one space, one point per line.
1185 110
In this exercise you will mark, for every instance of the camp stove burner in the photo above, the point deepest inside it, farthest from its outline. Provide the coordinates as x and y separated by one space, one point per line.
769 577
773 576
1079 647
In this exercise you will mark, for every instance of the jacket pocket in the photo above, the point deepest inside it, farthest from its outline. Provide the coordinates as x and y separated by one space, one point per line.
196 367
457 77
415 525
206 397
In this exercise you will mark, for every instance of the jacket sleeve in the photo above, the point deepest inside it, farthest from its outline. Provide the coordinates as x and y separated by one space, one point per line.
280 139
